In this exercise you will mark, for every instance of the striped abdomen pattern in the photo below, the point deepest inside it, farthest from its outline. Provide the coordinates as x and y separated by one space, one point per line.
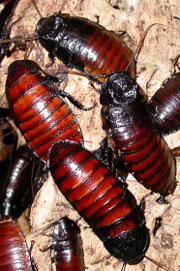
132 133
165 106
101 199
40 112
85 45
14 254
67 246
18 190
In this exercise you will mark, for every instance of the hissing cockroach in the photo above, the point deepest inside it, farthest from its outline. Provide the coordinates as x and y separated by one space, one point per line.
17 193
165 105
39 108
8 142
132 133
67 246
101 199
5 17
14 253
84 45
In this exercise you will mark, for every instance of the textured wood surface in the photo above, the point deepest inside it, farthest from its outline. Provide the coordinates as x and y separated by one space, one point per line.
154 64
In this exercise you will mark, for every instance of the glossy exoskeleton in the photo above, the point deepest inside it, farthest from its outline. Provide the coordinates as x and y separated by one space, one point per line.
5 17
85 45
17 193
165 105
106 155
39 108
8 143
67 245
14 253
132 133
101 199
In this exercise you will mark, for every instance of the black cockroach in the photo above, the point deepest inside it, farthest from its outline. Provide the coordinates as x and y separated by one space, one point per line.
5 17
101 199
39 108
67 246
17 193
84 45
165 105
14 253
133 135
8 143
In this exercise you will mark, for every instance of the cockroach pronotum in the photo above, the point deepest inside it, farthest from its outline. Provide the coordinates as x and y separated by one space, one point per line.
8 143
165 105
132 133
17 193
84 45
39 108
67 246
5 17
13 248
101 199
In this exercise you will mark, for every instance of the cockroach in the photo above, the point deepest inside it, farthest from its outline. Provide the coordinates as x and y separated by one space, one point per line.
8 143
106 155
5 31
165 105
133 135
17 193
84 45
101 199
39 108
67 246
13 248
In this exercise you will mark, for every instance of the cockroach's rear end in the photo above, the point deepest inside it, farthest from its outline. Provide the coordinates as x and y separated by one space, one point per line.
101 199
39 109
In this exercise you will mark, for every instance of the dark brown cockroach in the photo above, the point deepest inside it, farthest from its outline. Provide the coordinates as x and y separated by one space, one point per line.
101 199
8 142
165 105
67 246
5 31
84 45
17 193
133 135
39 108
14 253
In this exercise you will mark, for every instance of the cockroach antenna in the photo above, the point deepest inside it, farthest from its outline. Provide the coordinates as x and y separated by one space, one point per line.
37 9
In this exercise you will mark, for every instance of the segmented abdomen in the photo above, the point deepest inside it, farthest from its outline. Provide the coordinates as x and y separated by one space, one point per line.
85 45
107 53
102 200
143 150
18 190
165 106
14 254
42 116
67 246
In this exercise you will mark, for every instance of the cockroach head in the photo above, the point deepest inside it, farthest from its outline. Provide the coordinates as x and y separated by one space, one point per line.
118 88
50 31
65 229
